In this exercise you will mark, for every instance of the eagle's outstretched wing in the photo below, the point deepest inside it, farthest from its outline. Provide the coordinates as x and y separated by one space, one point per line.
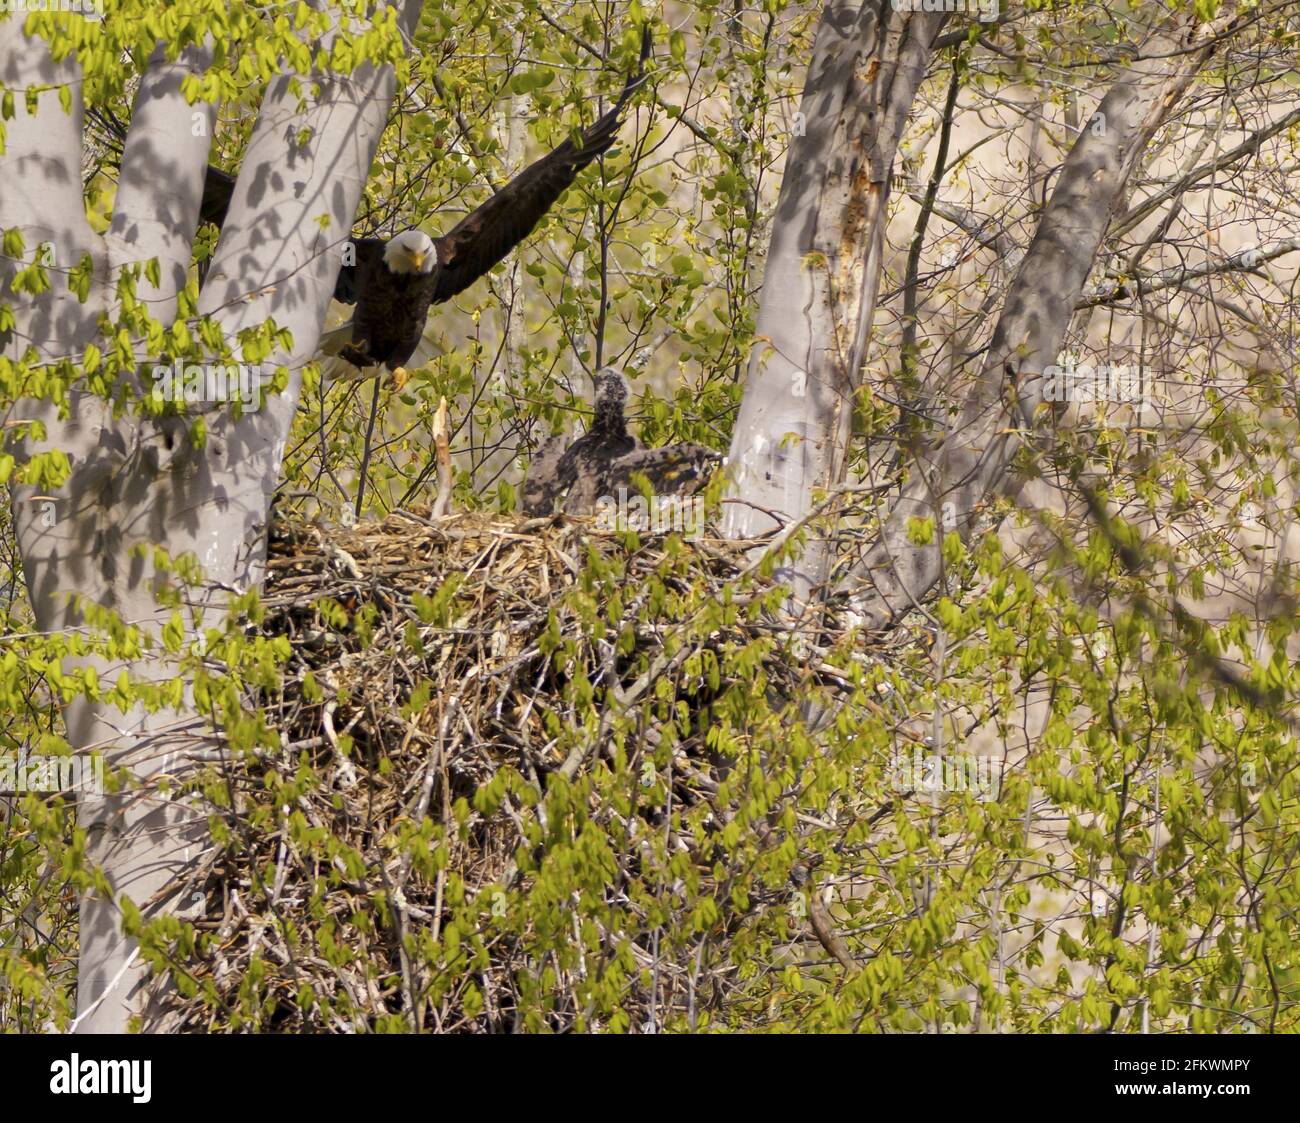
485 236
367 254
219 189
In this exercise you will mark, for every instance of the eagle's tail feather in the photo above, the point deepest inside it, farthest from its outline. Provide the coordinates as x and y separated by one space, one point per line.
333 369
334 340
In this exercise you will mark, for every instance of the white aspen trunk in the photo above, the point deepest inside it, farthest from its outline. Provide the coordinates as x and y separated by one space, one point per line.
822 268
137 480
955 476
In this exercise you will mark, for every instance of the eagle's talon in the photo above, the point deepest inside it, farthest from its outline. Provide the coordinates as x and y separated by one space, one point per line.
400 377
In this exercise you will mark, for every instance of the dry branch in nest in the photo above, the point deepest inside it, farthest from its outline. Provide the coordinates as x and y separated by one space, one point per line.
385 862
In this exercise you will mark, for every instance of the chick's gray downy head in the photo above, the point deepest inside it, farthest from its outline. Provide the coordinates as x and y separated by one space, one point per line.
612 393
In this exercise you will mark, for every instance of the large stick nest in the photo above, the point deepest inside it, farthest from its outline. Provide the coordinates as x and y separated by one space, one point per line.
380 866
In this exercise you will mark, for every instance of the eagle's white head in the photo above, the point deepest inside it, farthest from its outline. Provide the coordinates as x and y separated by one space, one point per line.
411 251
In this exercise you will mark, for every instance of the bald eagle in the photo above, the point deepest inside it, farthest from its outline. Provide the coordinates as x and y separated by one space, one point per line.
393 282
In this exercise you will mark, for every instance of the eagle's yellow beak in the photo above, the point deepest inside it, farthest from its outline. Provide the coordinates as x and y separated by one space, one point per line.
417 259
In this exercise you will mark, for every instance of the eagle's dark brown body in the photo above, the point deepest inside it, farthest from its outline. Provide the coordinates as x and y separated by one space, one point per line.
390 315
